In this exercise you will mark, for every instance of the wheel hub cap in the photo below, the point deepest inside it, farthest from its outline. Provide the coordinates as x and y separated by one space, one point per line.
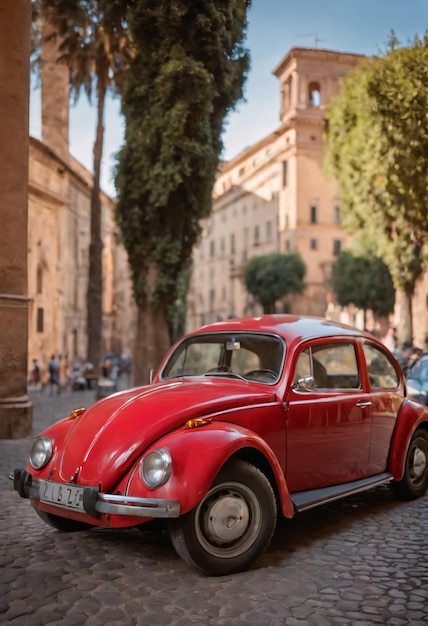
419 463
227 520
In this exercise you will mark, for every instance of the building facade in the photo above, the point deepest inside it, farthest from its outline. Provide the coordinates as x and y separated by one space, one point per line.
275 197
59 237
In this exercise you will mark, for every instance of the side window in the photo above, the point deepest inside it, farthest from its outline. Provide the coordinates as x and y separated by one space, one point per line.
333 366
382 373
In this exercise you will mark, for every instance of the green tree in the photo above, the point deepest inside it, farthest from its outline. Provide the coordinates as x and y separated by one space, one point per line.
188 71
377 148
93 42
273 276
364 282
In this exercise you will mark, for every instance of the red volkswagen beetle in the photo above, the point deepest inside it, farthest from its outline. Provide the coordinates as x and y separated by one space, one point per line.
244 420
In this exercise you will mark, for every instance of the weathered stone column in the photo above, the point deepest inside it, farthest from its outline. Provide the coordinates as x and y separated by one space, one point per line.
15 407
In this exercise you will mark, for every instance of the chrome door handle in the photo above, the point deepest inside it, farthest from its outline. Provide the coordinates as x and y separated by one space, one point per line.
363 404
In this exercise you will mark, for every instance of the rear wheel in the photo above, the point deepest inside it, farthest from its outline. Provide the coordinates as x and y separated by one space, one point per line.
233 524
62 523
415 479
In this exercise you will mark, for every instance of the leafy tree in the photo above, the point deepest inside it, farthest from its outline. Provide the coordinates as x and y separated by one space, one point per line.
377 148
273 276
364 282
188 71
93 42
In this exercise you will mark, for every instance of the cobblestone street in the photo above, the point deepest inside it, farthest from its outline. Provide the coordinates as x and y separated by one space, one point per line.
361 561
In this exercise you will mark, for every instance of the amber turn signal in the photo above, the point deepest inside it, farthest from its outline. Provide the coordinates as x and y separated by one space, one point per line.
76 413
199 421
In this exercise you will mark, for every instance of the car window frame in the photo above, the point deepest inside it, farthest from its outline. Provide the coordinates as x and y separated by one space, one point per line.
316 341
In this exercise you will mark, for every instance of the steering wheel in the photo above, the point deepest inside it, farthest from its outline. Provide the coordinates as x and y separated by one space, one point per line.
264 375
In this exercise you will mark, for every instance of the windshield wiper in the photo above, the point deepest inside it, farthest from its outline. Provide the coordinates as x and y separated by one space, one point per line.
226 375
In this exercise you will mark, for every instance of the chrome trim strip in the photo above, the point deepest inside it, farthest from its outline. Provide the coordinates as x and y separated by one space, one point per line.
141 507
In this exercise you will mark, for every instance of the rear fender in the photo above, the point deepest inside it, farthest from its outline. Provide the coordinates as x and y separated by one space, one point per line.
197 456
411 416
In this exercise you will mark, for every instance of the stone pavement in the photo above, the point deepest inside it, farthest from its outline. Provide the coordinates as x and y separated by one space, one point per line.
361 561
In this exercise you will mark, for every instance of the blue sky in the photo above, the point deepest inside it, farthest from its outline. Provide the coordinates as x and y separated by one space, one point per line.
275 26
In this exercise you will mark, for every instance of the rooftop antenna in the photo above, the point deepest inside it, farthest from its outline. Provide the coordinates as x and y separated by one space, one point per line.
317 40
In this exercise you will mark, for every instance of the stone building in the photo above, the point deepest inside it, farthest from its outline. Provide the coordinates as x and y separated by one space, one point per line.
275 197
59 237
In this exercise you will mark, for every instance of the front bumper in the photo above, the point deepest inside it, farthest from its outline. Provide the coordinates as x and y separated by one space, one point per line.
95 502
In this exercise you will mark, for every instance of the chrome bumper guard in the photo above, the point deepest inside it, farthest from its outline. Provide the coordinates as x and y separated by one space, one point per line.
95 502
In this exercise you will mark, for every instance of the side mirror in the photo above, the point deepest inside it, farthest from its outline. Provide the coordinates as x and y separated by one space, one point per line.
307 383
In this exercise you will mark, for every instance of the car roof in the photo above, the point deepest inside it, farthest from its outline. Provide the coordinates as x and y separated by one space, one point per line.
291 327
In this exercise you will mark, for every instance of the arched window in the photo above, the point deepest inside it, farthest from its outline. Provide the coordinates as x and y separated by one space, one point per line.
314 94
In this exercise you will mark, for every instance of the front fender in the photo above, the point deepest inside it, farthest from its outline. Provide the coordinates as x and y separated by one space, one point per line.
197 456
412 414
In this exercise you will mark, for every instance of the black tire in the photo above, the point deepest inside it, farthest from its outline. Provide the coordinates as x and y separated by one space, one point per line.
233 524
63 524
414 483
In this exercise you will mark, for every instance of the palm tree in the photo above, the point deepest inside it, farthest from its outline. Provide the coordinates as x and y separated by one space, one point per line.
93 42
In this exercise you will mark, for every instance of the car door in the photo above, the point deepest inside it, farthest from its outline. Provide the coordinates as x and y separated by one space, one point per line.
328 417
386 396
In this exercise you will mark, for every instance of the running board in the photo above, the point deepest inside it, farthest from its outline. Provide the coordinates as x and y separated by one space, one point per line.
304 500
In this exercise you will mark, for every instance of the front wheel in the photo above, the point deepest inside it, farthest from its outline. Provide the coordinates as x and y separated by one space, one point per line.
415 479
233 524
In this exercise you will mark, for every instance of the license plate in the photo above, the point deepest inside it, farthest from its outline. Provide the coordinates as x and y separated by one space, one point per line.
60 494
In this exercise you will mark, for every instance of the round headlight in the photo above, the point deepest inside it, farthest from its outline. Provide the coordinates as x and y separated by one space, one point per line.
40 452
155 468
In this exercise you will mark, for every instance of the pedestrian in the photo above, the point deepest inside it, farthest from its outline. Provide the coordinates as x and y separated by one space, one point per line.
53 369
106 367
390 339
403 355
64 372
35 373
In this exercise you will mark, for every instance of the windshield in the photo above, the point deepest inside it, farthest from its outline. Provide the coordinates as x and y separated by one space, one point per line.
253 356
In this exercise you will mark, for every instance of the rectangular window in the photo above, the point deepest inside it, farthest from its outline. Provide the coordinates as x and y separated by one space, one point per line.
39 280
314 244
256 235
268 231
232 243
284 173
337 244
212 248
337 215
40 320
314 217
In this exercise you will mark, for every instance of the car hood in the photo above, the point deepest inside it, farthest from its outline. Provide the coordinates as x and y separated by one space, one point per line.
104 442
